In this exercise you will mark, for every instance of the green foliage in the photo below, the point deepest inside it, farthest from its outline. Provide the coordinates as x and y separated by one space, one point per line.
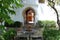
9 25
2 29
47 24
14 24
51 3
8 35
7 7
57 2
17 24
51 35
1 38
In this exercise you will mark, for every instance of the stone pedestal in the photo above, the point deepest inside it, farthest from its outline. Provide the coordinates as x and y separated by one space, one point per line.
35 34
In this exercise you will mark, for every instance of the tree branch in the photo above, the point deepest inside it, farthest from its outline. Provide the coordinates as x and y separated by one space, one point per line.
56 14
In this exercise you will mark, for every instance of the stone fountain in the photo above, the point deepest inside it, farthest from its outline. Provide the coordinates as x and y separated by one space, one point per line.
29 32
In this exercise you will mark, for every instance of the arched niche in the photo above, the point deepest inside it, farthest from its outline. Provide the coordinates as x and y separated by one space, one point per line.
29 15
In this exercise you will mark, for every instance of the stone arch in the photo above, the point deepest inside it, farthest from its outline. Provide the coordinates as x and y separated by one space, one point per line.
24 12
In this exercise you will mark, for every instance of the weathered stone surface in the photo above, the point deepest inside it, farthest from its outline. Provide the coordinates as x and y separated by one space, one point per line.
35 34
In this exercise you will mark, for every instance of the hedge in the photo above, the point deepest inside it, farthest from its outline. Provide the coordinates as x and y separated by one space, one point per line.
48 24
51 35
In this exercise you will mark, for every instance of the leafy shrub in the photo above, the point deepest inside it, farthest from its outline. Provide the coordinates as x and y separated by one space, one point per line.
17 24
47 24
51 35
1 38
9 25
14 24
9 34
2 29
